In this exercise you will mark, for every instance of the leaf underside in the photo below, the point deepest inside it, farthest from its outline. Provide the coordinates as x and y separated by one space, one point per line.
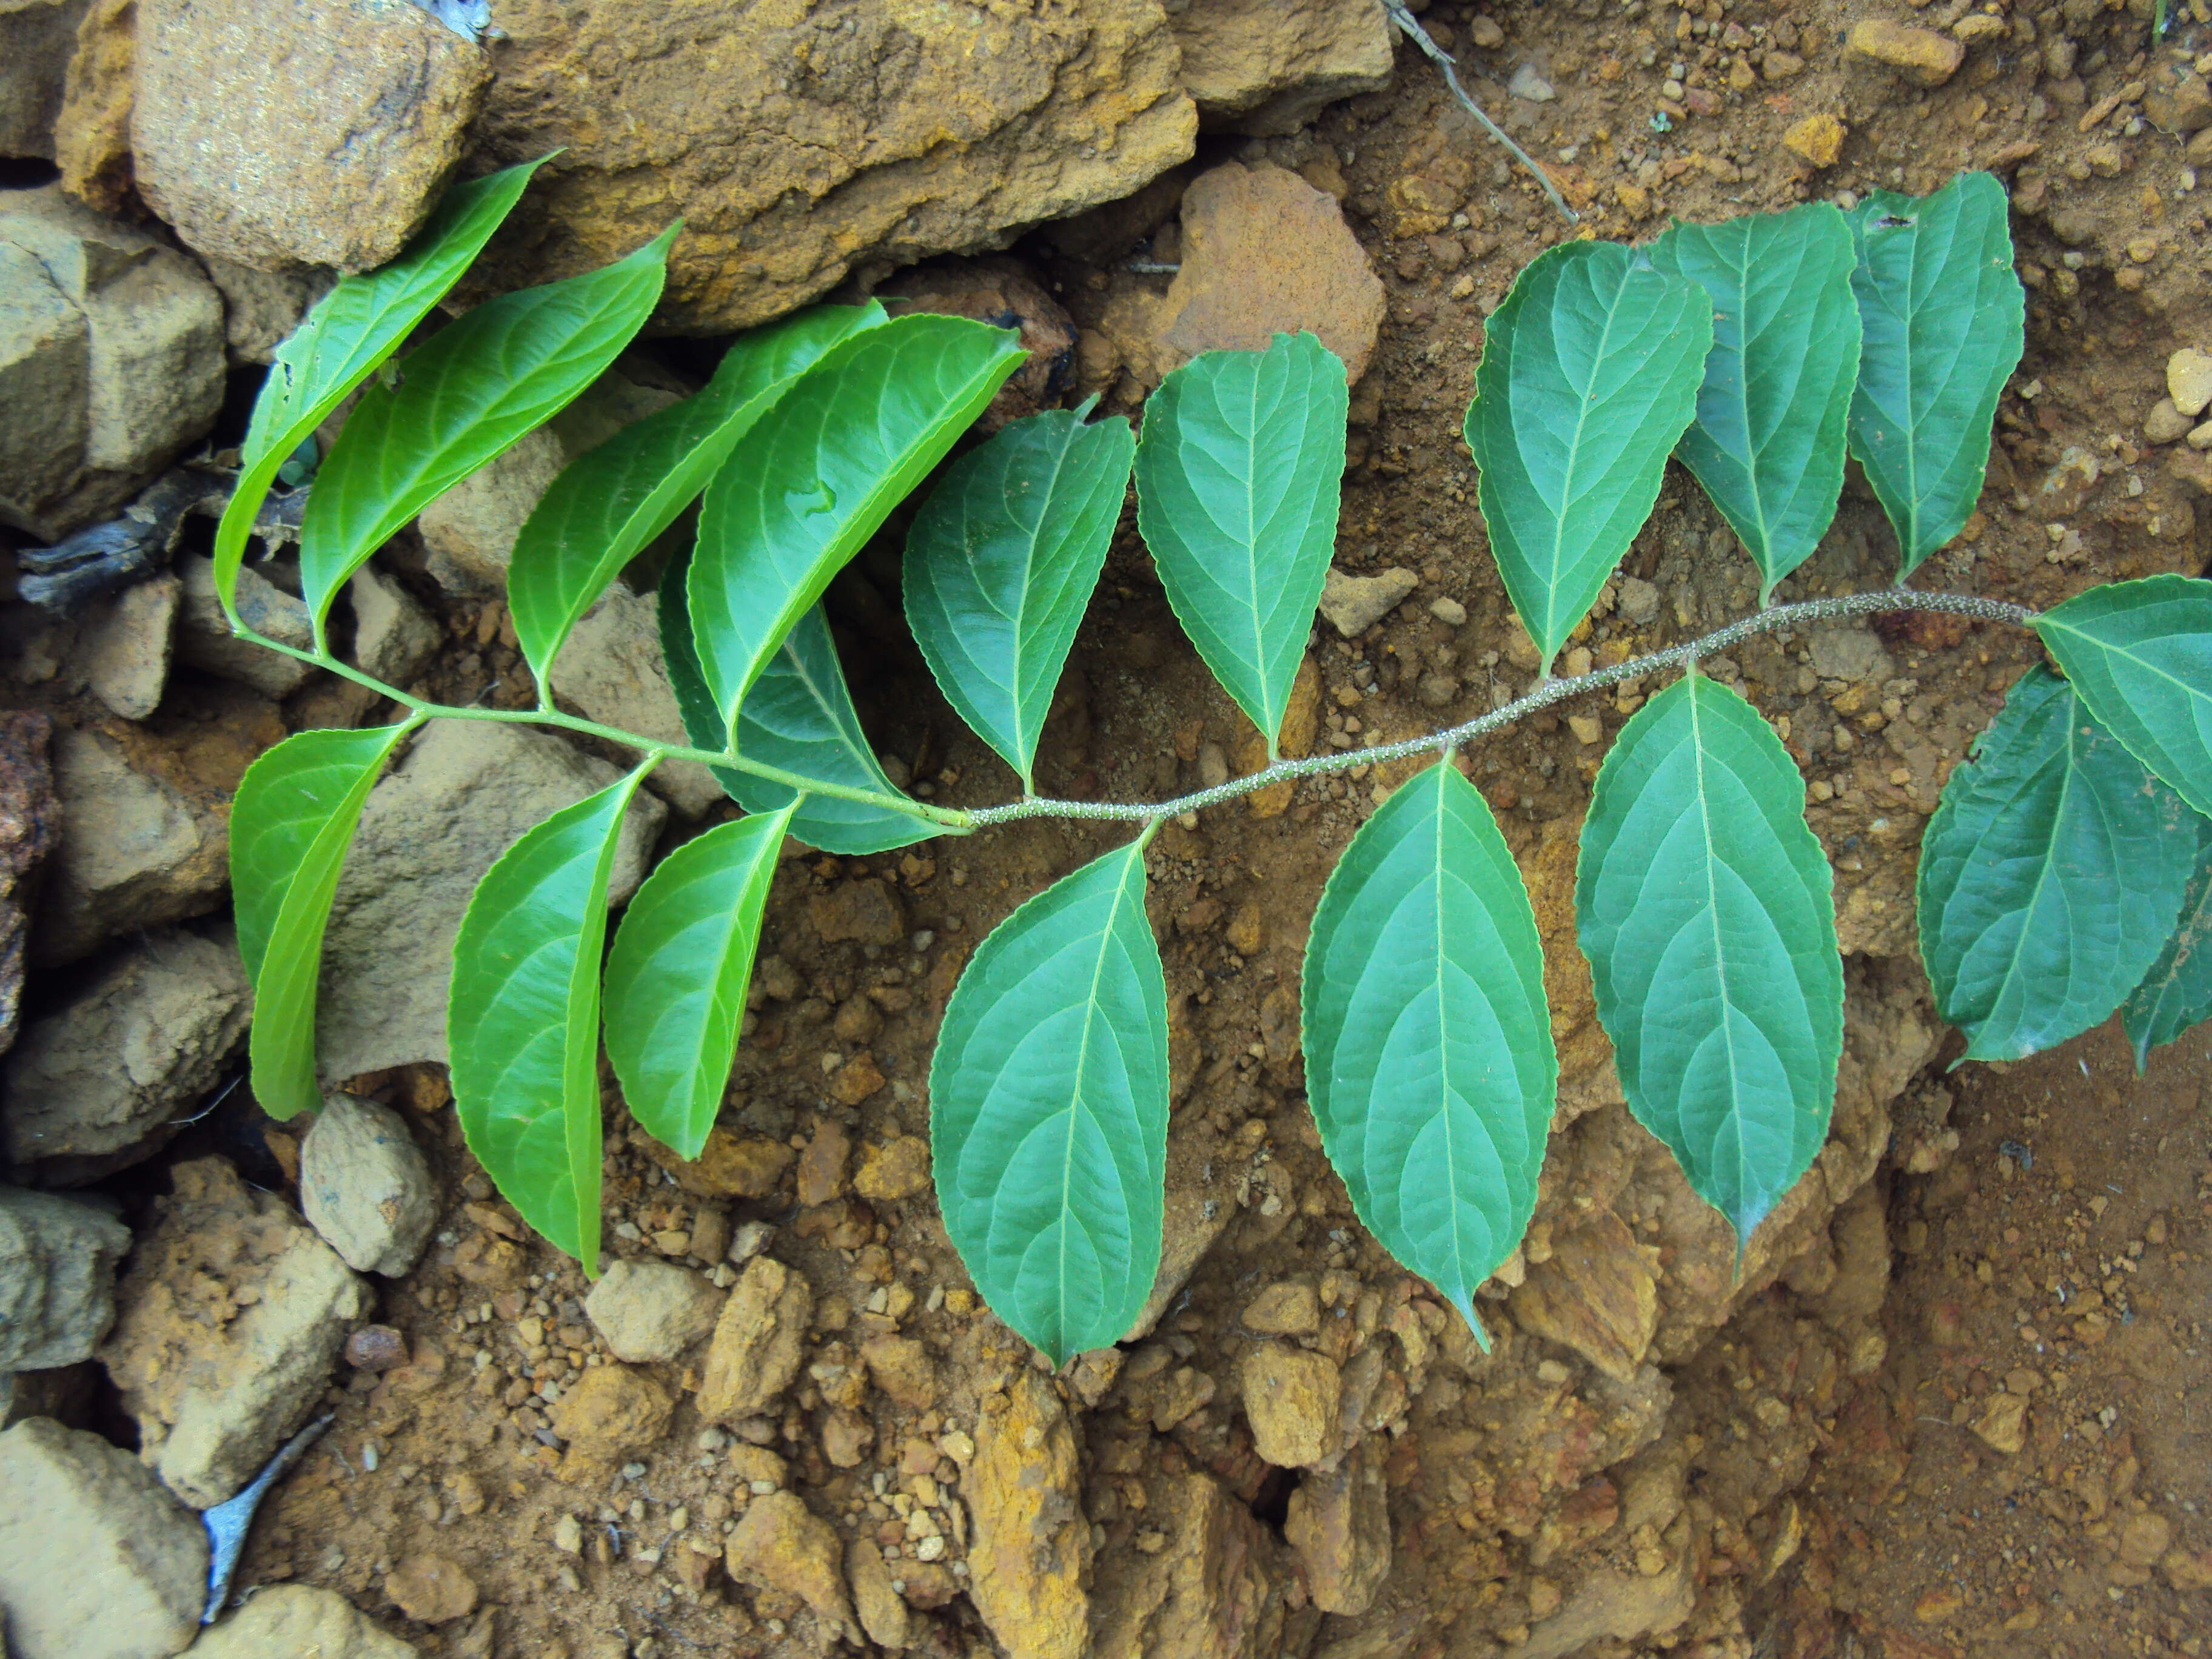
1703 905
2140 655
1048 1109
2176 992
1589 374
1427 1037
2051 876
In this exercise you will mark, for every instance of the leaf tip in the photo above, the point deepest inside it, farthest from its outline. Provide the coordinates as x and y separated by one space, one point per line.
1462 1300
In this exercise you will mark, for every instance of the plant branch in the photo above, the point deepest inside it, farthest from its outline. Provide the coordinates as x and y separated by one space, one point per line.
1775 617
1412 31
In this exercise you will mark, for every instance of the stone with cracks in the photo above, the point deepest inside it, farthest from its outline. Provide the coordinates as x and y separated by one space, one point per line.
1217 1585
366 1187
58 1259
781 1545
298 1621
758 1341
1340 1525
1267 67
1029 1549
36 39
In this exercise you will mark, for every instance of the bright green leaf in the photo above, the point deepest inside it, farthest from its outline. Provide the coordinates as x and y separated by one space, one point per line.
1942 314
1048 1109
610 502
522 1020
1768 441
1239 473
676 976
1703 906
1428 1041
448 407
352 329
1000 563
799 716
799 494
2176 992
2140 655
2051 876
290 822
1589 373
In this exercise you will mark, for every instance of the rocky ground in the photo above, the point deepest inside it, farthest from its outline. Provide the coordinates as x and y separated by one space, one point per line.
1952 1402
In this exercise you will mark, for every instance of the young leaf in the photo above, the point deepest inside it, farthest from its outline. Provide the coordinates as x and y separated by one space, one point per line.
290 822
1589 374
1239 472
676 976
2140 655
2051 876
799 494
351 330
510 365
1048 1109
1703 904
522 1021
1428 1041
1000 563
1942 316
1768 441
609 503
798 716
2176 992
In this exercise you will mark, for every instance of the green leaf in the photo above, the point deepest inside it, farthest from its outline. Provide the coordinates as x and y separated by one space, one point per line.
2176 992
799 716
522 1021
799 494
2051 876
1768 441
1703 906
1428 1041
1000 563
1048 1109
2140 655
1239 473
676 976
1589 374
1942 318
351 330
610 502
290 822
506 368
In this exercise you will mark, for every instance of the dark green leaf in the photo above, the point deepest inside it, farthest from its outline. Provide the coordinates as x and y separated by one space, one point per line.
1428 1041
1589 373
1000 563
2051 876
522 1020
1703 906
1048 1109
799 494
1238 477
1768 441
450 406
676 976
1941 313
290 822
610 502
2140 655
351 330
2176 992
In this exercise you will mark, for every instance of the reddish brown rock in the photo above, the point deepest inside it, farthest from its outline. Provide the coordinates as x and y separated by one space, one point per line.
1002 293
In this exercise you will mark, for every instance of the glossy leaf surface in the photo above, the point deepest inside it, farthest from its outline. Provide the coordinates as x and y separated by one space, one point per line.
1941 316
1239 473
290 823
356 325
1768 440
2051 876
2176 992
1000 563
676 978
799 716
2140 655
522 1021
455 403
611 501
1703 906
799 494
1427 1037
1048 1109
1589 374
